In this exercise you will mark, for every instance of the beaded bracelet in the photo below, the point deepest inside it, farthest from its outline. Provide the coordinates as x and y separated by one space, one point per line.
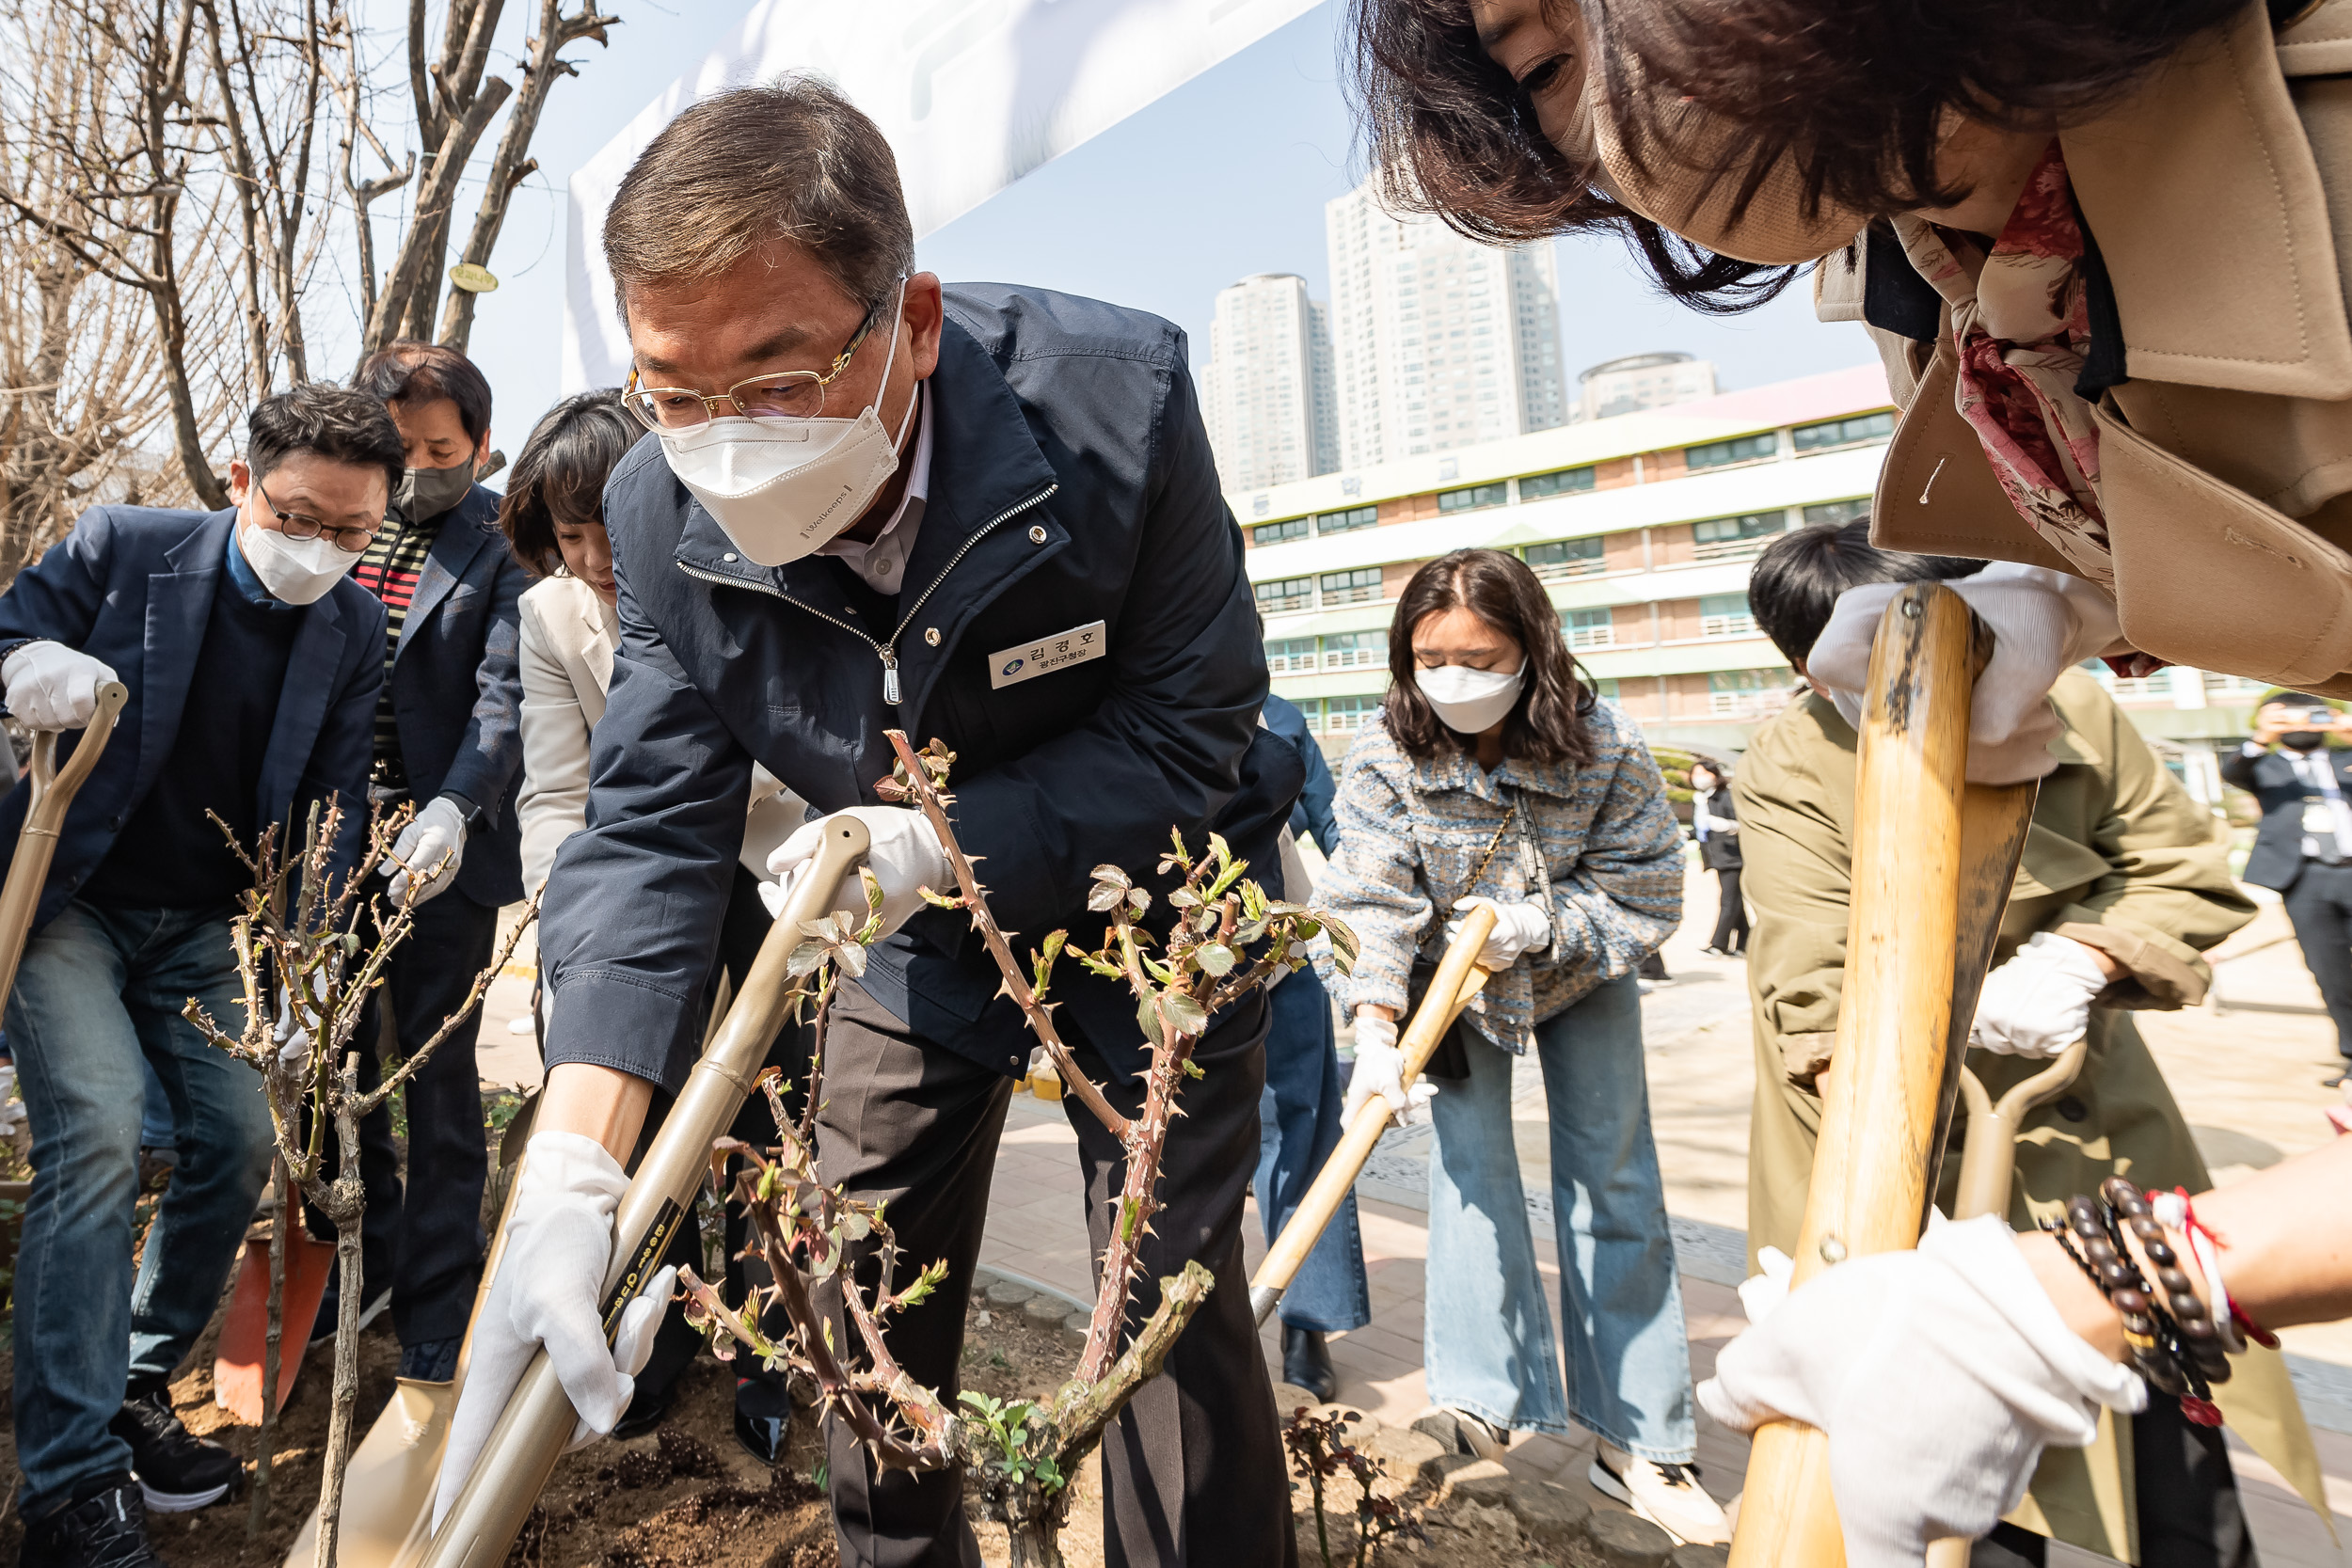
2173 1341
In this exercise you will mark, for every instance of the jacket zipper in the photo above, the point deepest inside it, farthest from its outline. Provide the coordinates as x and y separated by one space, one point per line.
886 652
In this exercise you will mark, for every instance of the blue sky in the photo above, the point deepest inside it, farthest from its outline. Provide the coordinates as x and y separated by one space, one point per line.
1225 177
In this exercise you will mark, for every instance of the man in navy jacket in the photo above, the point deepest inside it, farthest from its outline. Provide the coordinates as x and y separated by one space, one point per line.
449 742
2303 848
988 517
253 664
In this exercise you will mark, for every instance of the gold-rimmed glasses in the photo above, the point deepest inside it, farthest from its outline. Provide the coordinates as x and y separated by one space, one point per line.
301 525
778 395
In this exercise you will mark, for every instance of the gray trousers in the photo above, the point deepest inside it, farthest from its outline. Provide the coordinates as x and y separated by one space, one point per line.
1193 1471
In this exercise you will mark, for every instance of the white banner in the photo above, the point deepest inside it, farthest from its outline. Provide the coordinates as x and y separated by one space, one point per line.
973 95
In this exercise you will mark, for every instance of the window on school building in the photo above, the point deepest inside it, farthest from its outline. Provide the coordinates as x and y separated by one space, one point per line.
1347 714
1725 615
1606 688
1361 586
1737 538
1747 693
1285 594
1356 650
1277 534
1566 482
1291 655
1473 498
1719 454
1565 558
1844 432
1588 628
1837 512
1344 522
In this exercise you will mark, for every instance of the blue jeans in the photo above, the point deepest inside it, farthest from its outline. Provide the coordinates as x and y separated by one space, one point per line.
99 993
1487 1336
1298 1126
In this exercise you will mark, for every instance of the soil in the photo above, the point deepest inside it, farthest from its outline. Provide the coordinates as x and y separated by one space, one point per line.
686 1496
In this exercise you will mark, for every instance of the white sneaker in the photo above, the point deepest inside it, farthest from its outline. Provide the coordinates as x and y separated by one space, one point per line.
1668 1495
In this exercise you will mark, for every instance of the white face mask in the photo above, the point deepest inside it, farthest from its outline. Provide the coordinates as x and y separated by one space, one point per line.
1468 701
781 489
297 571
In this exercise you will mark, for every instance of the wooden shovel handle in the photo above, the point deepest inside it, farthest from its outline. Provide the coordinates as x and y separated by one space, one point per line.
1883 1098
1458 979
53 791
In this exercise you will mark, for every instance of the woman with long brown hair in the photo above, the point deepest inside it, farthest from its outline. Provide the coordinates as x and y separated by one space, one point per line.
2093 243
1492 776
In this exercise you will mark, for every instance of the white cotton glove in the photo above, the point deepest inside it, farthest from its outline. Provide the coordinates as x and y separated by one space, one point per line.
1380 1071
12 1108
434 844
50 686
2043 622
549 1283
906 856
2038 1003
1939 1376
1518 928
1760 1295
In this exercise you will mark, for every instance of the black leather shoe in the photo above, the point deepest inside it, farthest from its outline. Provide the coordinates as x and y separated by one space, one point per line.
106 1529
763 1417
1306 1363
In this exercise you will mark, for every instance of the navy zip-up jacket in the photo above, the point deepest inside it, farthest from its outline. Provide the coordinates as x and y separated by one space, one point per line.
1071 484
134 586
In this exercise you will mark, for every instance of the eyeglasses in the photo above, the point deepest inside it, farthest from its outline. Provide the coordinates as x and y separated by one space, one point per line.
296 525
779 395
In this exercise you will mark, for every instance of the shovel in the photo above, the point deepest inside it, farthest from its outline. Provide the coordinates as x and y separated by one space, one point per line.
37 844
1458 979
54 789
1933 861
239 1366
522 1449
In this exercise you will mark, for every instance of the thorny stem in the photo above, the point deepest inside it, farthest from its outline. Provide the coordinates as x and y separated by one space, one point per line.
927 795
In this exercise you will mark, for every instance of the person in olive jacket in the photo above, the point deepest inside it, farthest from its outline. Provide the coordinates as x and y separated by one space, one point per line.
982 513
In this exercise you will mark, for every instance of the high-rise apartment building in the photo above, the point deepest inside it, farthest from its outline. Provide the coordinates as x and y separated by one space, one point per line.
1641 381
1439 342
1266 391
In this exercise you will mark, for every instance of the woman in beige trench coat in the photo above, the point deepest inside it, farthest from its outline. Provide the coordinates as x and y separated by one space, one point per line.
2115 319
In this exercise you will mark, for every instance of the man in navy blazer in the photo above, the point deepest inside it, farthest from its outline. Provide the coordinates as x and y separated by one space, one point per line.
253 664
447 741
2303 850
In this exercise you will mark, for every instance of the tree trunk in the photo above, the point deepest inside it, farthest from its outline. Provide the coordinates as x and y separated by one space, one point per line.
271 1341
1036 1545
347 1203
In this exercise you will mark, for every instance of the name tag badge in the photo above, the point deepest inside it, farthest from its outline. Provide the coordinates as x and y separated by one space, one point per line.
1011 666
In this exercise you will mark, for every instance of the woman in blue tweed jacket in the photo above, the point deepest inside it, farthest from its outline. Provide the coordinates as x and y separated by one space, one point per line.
1491 775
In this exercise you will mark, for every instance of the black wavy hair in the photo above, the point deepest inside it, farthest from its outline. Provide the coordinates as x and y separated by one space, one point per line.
560 476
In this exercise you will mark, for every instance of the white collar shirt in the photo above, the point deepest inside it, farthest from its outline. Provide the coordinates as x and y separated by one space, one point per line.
882 560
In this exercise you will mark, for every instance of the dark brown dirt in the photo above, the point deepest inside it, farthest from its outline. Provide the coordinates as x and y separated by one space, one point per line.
686 1496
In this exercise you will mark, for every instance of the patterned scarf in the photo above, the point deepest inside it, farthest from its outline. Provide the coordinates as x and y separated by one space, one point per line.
2021 327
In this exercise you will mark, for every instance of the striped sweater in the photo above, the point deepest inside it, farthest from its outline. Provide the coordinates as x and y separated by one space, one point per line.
1412 834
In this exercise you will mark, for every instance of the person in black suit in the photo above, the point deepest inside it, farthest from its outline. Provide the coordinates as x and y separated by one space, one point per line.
2303 850
448 742
1716 827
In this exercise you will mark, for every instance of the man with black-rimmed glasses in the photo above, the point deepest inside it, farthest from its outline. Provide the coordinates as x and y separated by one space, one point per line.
253 664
